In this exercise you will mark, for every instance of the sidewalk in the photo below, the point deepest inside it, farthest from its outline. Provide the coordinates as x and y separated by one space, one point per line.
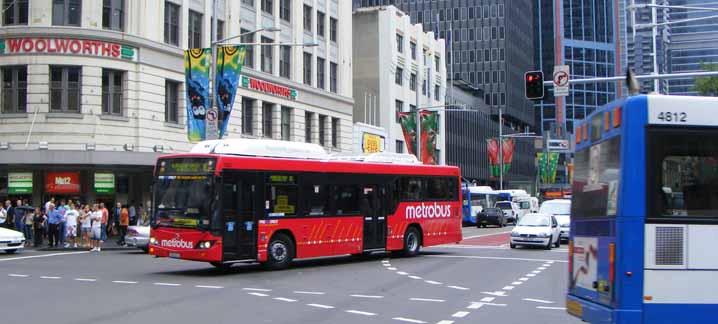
108 246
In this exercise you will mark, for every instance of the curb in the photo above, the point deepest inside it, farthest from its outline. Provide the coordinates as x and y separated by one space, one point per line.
115 248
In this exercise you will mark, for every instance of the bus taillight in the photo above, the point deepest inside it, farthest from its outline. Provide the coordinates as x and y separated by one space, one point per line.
612 264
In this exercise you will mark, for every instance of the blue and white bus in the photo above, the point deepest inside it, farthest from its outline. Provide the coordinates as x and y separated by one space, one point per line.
476 198
644 218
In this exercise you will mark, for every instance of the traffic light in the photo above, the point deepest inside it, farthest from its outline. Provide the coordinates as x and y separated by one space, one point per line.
533 82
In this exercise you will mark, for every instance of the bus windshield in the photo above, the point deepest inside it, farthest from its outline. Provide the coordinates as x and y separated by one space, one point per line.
183 201
687 165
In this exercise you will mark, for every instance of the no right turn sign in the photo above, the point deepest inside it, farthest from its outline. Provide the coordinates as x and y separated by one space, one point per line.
561 76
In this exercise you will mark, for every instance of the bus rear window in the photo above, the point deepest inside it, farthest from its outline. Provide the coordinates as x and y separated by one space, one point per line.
686 163
596 180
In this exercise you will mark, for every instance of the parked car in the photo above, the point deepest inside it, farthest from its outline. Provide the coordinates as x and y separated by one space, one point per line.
138 236
561 209
511 210
536 229
491 216
11 241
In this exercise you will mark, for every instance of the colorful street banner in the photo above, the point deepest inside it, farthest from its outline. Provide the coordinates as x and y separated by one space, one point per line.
196 68
408 127
19 183
429 132
492 147
548 164
229 65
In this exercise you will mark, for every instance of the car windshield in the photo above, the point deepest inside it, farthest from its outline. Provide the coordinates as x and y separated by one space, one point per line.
503 205
182 200
524 205
534 221
555 208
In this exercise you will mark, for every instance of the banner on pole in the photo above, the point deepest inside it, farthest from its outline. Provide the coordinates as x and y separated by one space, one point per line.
408 127
230 60
196 68
548 164
429 132
492 147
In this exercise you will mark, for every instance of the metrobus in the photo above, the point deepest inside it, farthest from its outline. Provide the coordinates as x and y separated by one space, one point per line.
239 200
644 215
475 199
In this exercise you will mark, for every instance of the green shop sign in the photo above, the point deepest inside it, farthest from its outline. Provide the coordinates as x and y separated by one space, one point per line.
19 183
104 182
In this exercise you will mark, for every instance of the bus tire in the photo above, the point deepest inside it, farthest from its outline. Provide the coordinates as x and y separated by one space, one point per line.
220 265
412 242
280 252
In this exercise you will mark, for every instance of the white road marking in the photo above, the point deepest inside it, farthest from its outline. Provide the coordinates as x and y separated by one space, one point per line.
428 300
475 305
17 275
386 265
258 294
545 265
493 258
484 235
432 282
499 293
209 287
320 306
536 271
402 273
309 292
458 287
415 277
531 275
407 320
391 268
445 322
516 283
384 261
551 262
125 282
43 256
508 288
289 300
524 279
542 268
554 308
538 300
460 314
367 296
488 299
166 284
85 279
360 312
560 251
256 289
48 277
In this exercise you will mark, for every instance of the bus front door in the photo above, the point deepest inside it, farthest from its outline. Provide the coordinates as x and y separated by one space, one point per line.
374 213
240 228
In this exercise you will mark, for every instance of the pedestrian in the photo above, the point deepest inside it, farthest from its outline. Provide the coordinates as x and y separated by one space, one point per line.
54 218
19 216
86 225
124 222
28 222
141 215
48 203
97 216
133 213
39 221
3 215
103 223
63 224
116 220
71 216
10 220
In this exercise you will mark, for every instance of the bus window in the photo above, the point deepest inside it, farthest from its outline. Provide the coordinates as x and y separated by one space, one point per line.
688 170
281 195
596 180
345 199
411 188
437 188
315 199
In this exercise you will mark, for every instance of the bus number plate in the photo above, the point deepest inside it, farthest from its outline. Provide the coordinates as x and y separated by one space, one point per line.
174 255
574 308
672 117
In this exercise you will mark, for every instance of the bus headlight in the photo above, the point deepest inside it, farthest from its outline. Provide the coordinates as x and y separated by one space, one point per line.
153 241
204 244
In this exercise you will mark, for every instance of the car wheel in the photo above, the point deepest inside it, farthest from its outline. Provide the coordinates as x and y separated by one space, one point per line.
145 249
11 251
513 246
550 242
412 242
280 252
558 243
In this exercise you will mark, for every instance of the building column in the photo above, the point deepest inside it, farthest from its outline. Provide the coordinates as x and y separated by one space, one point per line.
257 120
315 128
277 121
297 125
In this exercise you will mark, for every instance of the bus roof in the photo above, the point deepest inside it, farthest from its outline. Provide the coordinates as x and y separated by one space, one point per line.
480 189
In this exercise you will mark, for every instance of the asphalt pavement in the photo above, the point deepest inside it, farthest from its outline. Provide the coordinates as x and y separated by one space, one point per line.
480 280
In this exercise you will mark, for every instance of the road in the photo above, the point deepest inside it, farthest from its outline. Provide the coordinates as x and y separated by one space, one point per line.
477 281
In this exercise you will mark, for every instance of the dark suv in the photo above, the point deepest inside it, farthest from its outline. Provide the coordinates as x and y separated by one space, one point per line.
491 216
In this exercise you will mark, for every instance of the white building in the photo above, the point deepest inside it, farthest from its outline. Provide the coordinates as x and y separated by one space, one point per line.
392 58
98 86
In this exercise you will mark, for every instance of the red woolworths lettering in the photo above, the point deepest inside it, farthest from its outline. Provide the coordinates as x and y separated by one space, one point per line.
15 45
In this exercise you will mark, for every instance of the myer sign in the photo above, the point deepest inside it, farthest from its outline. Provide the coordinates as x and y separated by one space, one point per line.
67 46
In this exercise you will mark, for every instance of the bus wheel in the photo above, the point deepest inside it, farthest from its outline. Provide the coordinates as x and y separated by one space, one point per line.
220 265
280 252
412 242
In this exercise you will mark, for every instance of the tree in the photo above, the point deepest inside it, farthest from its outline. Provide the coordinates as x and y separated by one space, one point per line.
708 86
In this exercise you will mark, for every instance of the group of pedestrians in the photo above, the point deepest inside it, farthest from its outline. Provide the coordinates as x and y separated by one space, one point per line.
70 224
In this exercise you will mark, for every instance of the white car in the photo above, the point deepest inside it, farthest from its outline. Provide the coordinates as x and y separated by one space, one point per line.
138 236
11 241
511 210
536 229
561 209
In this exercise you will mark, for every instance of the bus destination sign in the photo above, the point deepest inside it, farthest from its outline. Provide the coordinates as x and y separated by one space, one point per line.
186 166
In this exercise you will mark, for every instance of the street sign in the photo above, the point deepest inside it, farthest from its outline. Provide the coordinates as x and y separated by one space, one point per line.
561 75
212 127
558 145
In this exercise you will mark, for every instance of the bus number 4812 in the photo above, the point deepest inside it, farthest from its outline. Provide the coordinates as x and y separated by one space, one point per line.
673 117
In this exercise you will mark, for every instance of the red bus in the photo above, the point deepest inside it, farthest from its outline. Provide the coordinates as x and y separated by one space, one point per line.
227 201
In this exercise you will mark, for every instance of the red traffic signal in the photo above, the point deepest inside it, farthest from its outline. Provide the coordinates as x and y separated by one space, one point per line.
534 85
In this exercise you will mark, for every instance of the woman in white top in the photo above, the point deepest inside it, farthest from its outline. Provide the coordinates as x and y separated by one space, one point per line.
71 216
86 225
96 234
